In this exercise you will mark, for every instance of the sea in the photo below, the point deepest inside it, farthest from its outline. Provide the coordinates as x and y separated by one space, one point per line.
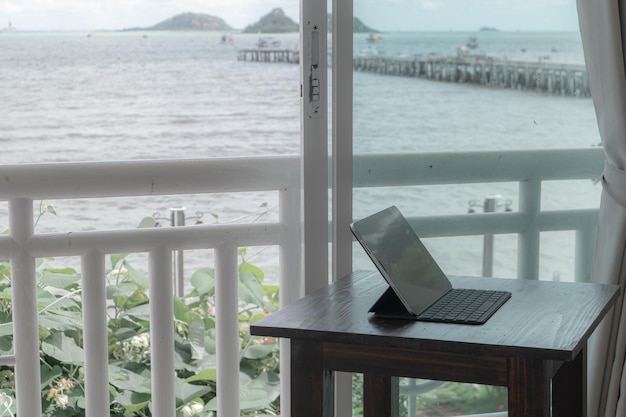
136 95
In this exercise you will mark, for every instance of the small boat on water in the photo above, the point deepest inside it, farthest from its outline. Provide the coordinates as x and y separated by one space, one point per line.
374 38
267 43
227 40
9 28
472 42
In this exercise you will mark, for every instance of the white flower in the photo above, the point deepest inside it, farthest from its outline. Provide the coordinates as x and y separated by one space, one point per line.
191 410
5 405
119 273
186 410
196 408
62 400
139 341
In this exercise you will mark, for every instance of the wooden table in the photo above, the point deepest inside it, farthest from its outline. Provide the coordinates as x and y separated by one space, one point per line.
538 336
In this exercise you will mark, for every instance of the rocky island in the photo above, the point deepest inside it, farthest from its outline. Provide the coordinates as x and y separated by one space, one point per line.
190 21
275 21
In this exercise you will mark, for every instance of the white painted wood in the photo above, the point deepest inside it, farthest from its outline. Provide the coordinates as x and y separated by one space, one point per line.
227 330
95 335
162 333
25 327
342 119
314 143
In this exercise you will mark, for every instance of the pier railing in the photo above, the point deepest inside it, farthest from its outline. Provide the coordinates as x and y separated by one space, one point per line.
543 76
23 184
290 56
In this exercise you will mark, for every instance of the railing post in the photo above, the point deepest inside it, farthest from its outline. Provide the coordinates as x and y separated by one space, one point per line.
528 240
227 330
489 206
95 342
290 280
585 248
162 333
178 219
25 313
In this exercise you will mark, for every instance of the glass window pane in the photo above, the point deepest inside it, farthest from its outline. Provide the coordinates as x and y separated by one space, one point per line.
455 76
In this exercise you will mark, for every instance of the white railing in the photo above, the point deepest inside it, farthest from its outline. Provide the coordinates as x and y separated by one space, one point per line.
530 169
22 184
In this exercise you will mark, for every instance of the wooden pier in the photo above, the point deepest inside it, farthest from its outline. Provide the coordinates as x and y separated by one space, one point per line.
269 55
547 77
543 76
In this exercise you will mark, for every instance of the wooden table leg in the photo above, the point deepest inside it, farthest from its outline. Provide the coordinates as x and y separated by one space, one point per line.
569 388
312 388
380 395
528 388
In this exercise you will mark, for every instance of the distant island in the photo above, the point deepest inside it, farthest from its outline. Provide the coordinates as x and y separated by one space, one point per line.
276 21
190 21
488 29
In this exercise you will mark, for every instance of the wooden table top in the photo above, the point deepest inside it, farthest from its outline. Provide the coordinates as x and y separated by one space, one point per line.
543 320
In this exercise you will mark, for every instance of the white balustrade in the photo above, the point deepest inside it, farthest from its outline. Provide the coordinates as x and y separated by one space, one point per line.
22 184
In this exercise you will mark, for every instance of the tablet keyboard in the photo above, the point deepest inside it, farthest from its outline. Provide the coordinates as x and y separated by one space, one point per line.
465 306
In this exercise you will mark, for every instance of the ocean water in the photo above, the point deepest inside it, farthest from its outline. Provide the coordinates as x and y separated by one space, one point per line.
77 96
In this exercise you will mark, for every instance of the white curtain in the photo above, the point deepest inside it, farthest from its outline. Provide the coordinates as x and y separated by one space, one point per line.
603 31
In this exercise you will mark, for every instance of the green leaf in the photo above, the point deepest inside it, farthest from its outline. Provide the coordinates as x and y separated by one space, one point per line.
249 399
133 401
196 338
268 382
259 351
253 399
209 323
125 333
44 332
60 278
123 289
6 329
61 320
250 289
209 374
124 379
46 298
203 280
147 222
209 341
47 208
117 257
63 349
271 292
248 267
141 312
257 317
137 277
186 392
180 310
49 374
6 345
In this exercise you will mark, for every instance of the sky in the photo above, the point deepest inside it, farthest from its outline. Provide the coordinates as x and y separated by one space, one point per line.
382 15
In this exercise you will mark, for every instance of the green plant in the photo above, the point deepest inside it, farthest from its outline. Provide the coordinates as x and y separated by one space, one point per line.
61 340
465 398
451 398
